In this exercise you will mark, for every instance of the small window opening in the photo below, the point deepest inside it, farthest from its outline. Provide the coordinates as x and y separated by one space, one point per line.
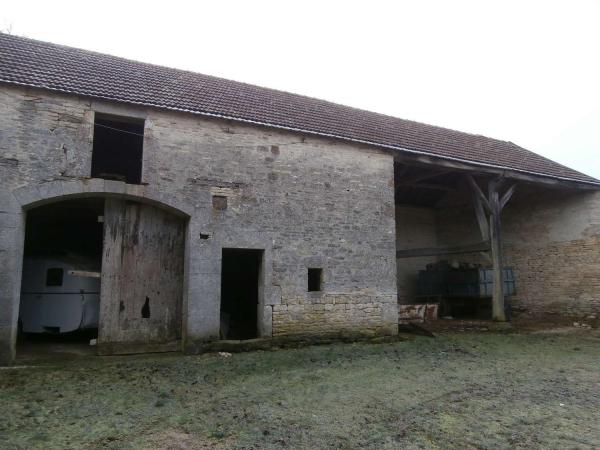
118 148
54 277
146 309
315 279
219 202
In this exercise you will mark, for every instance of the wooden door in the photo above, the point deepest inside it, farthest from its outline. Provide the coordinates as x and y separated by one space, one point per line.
142 278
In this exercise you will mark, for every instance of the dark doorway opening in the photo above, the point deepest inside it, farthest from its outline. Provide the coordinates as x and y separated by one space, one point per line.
60 288
240 276
315 278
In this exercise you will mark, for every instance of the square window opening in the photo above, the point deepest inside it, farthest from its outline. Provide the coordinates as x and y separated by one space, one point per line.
54 276
219 202
118 148
315 279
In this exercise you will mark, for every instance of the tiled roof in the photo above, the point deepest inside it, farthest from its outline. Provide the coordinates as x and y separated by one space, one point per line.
50 66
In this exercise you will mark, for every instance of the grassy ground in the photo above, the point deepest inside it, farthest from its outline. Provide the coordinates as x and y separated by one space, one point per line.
459 390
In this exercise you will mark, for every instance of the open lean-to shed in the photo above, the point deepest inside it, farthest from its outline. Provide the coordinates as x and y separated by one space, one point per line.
212 209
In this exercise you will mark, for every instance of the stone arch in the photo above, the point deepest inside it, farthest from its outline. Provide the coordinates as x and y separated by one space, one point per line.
31 196
52 191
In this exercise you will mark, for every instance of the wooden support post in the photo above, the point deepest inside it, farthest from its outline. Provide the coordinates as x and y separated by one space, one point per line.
490 228
498 313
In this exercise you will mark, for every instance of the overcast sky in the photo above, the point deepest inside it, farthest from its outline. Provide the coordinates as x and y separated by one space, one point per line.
523 71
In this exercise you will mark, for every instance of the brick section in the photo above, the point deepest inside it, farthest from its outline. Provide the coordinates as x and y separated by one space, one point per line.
336 315
562 278
552 240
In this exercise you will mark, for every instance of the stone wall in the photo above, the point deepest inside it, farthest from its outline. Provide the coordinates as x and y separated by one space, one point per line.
306 201
337 314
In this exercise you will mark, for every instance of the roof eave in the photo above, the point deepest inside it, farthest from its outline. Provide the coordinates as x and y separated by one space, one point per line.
426 157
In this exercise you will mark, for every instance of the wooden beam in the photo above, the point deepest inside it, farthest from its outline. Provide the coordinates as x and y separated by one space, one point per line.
507 195
425 176
84 273
494 185
478 192
482 221
436 162
437 187
435 251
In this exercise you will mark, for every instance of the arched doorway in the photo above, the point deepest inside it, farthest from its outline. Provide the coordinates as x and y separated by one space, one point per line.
107 269
60 283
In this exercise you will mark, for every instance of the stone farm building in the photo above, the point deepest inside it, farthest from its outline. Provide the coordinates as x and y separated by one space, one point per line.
189 192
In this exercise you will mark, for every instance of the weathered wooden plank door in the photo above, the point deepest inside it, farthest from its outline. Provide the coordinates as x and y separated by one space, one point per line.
142 278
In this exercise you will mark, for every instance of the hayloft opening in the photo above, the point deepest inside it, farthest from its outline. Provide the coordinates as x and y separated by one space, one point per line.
118 148
240 275
60 289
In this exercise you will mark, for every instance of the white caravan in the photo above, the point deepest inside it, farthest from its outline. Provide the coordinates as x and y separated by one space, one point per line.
58 297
